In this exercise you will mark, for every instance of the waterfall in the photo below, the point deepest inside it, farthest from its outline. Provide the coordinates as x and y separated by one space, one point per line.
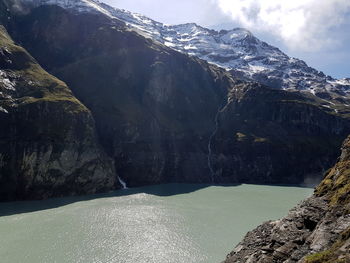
210 165
122 183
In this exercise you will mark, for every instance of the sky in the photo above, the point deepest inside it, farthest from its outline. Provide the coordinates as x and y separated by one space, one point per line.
316 31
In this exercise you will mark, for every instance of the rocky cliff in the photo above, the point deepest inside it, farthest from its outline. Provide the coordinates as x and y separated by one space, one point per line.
48 144
266 135
316 231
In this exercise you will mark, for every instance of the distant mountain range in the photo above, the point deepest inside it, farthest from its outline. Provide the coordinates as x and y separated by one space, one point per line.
236 50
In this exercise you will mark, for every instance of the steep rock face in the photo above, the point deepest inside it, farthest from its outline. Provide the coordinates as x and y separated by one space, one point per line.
160 114
263 134
316 231
48 144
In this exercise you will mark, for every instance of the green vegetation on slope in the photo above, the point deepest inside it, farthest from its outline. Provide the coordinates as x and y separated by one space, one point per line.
33 83
338 253
336 185
336 188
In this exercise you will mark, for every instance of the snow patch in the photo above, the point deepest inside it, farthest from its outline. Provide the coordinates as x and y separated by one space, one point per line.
5 82
3 110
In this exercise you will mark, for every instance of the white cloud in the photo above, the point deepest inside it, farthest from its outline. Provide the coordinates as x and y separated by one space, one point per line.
301 24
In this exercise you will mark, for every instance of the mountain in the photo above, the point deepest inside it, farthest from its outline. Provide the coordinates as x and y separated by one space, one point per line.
164 116
154 107
48 142
236 50
317 230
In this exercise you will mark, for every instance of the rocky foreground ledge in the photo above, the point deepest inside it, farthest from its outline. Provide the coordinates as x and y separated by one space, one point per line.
316 231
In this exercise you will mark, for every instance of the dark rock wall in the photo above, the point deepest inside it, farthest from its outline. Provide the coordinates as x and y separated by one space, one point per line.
266 135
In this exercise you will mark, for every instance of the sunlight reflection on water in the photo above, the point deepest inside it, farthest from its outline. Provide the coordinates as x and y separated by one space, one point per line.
199 226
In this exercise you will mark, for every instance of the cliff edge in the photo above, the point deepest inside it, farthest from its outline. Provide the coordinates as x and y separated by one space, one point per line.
316 231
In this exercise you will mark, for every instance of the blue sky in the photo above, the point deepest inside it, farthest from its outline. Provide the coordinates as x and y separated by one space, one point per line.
317 31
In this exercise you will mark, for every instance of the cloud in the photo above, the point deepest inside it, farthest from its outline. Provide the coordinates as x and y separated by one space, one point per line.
309 25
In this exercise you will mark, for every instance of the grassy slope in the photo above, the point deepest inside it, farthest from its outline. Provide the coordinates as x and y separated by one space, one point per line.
48 88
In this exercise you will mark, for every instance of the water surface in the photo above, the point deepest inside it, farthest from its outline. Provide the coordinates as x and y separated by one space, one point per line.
157 224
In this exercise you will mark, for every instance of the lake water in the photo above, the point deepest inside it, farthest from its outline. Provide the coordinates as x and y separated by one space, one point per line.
158 224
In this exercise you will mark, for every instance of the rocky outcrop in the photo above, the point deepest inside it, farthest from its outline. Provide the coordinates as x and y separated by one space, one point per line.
48 144
316 231
166 117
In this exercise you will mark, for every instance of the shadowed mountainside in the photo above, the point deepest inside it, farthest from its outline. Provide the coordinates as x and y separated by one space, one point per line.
48 143
165 117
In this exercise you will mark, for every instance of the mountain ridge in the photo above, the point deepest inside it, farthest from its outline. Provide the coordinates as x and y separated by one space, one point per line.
236 50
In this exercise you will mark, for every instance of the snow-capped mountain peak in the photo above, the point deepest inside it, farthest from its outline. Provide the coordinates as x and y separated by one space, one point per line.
236 50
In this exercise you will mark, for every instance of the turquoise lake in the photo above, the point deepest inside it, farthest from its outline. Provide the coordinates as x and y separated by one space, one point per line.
158 224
